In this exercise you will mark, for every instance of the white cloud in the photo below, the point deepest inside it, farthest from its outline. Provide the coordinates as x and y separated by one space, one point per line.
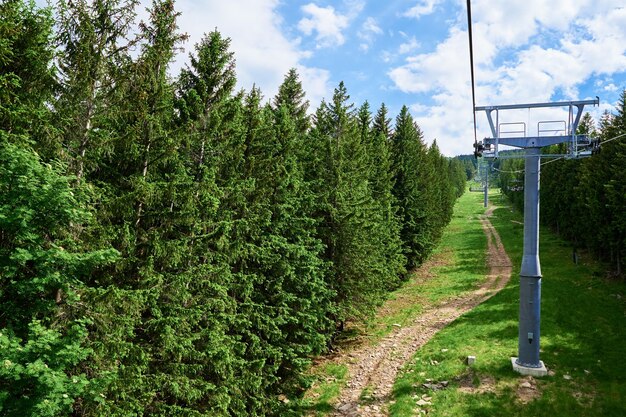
262 52
353 8
445 68
326 22
316 84
370 27
418 108
368 32
409 46
387 56
422 8
524 51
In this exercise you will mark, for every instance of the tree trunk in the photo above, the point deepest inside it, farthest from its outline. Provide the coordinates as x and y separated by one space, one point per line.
85 140
144 172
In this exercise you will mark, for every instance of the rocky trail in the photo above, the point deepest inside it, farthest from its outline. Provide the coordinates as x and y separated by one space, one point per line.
375 368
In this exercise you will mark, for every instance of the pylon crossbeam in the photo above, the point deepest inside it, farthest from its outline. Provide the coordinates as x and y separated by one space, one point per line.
575 114
540 105
530 141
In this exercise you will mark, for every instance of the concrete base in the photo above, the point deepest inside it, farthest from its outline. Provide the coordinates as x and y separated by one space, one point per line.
524 370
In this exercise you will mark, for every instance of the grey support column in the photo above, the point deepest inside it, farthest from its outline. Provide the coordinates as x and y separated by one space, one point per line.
486 190
528 362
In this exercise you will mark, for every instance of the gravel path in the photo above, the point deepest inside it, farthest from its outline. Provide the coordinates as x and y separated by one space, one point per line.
377 367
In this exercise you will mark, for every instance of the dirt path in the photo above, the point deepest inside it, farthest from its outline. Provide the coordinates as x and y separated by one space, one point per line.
376 367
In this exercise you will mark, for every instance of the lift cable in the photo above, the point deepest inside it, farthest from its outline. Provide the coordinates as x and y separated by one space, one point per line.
471 52
612 139
555 159
508 172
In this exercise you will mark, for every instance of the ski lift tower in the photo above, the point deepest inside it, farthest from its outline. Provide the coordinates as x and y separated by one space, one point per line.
515 134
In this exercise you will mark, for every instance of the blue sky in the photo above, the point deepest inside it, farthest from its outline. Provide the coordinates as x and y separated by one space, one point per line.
415 52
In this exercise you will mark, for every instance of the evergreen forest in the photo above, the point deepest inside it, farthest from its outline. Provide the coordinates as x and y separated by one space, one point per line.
171 246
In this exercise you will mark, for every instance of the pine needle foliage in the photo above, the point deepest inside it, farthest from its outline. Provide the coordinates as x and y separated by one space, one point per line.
349 217
44 260
413 189
172 247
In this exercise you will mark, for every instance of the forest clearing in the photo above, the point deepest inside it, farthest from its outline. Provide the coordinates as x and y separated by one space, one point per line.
372 370
436 379
173 243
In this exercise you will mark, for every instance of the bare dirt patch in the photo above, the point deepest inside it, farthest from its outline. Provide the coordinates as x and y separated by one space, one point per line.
585 399
375 368
477 384
527 390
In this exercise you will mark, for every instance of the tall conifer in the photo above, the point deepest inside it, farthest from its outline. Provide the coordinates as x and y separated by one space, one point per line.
616 185
92 39
292 96
212 121
441 191
140 180
346 210
27 78
412 181
379 156
382 123
44 265
280 267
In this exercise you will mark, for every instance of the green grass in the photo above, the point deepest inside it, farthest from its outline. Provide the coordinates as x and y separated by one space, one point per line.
457 266
329 378
583 338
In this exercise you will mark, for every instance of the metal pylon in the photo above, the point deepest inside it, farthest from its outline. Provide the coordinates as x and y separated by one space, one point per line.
486 182
528 361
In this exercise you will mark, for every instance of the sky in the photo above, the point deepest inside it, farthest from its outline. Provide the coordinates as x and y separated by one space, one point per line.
416 53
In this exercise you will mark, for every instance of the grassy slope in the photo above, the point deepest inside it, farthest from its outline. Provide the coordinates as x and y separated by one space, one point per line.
583 339
455 267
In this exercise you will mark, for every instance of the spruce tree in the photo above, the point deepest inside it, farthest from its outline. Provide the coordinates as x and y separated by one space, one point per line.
140 178
27 77
44 264
204 94
339 173
43 270
587 126
382 123
92 36
616 186
593 177
458 176
560 204
292 96
244 155
443 195
379 157
413 176
212 121
281 291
